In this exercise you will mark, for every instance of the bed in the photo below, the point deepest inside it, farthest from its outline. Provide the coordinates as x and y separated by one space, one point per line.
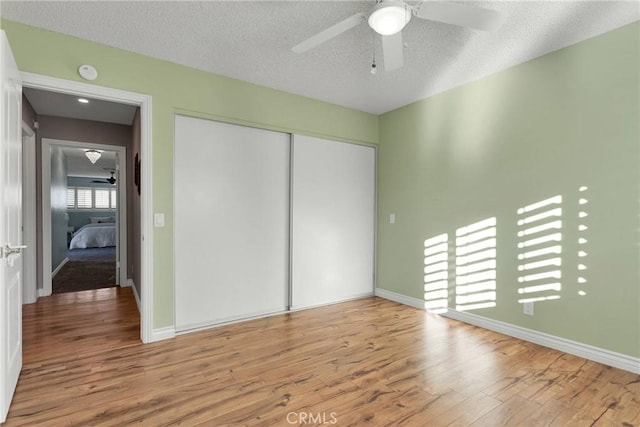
94 236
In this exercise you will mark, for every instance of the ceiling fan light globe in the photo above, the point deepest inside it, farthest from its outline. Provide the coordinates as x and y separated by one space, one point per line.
389 17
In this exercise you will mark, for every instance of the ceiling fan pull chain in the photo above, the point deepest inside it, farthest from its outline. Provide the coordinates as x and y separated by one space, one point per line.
374 69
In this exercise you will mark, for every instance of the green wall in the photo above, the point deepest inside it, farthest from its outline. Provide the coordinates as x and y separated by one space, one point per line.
544 128
176 88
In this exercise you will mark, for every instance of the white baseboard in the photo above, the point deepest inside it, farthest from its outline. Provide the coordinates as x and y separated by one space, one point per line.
59 267
163 333
606 357
399 298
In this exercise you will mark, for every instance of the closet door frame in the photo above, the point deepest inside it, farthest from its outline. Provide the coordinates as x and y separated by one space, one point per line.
289 282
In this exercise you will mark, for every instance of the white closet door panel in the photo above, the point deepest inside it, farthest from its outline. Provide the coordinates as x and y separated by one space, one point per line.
332 221
231 222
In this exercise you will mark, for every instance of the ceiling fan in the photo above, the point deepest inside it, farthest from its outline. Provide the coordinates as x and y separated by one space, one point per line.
111 180
389 17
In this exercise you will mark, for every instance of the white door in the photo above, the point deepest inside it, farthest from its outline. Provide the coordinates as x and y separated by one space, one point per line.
333 221
10 227
231 222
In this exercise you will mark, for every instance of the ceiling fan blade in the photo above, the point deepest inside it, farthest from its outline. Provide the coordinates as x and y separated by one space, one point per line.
393 51
330 33
460 14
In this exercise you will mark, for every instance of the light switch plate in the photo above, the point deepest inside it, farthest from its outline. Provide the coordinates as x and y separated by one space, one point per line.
158 220
392 218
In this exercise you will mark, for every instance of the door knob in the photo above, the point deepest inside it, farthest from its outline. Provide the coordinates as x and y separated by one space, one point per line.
12 250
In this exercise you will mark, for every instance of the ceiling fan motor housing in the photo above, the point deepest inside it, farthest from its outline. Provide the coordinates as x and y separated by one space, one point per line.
390 17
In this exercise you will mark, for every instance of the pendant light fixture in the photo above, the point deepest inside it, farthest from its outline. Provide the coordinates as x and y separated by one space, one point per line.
93 155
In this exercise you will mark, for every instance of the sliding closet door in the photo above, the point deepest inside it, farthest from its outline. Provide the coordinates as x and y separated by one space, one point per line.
231 189
332 221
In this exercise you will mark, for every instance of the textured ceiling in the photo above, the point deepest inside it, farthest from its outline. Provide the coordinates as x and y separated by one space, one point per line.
252 40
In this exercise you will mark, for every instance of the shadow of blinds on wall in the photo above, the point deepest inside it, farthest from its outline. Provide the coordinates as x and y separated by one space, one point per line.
436 273
540 250
476 265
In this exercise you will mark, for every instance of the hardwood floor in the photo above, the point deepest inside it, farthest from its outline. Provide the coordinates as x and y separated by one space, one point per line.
366 362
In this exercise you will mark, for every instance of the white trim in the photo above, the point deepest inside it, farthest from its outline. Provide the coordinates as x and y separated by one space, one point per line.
59 267
600 355
45 219
606 357
160 334
135 293
121 216
121 211
146 221
399 298
146 154
70 87
29 217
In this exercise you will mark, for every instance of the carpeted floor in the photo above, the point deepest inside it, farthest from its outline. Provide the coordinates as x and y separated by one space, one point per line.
86 269
93 254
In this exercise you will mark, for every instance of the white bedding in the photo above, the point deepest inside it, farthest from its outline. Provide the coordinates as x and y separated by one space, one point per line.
94 236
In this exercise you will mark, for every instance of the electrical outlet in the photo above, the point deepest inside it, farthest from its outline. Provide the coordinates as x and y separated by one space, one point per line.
392 218
527 308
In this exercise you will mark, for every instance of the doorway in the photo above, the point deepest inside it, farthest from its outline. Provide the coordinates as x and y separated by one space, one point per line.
144 292
84 216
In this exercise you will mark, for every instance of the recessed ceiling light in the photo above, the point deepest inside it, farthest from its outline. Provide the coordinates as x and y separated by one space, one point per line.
83 100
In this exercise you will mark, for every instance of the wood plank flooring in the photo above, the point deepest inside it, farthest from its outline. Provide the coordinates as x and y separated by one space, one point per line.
366 362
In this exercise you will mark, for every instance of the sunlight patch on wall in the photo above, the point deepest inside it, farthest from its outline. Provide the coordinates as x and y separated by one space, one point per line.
540 250
476 265
582 240
436 273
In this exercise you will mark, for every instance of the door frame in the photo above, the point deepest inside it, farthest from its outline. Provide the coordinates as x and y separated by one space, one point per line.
53 84
121 211
29 236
